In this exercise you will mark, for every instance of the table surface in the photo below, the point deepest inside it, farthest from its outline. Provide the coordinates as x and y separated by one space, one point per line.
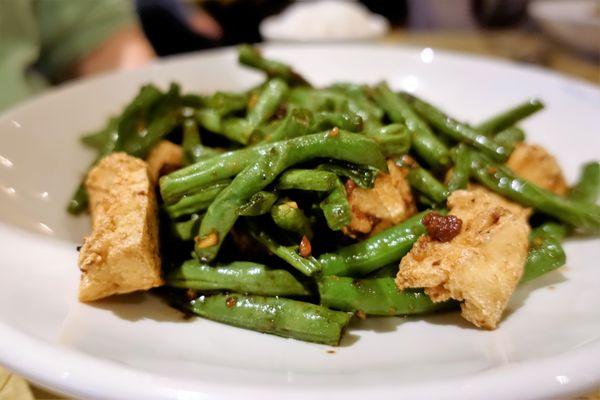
518 46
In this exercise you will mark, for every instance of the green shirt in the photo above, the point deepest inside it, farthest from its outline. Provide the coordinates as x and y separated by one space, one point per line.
41 39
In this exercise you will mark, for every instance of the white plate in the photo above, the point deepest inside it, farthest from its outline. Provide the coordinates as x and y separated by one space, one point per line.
575 23
136 347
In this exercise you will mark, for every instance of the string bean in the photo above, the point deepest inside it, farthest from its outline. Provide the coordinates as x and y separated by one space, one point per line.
239 276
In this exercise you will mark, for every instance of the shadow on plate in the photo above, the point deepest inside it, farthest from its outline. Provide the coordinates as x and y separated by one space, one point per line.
452 316
390 324
520 296
349 339
139 306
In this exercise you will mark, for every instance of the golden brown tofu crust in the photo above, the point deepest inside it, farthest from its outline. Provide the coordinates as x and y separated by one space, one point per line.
121 255
515 208
388 203
480 267
164 158
534 163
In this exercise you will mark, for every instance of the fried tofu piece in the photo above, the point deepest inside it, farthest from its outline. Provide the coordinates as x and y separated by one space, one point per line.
480 267
534 163
513 207
388 203
121 254
476 188
164 158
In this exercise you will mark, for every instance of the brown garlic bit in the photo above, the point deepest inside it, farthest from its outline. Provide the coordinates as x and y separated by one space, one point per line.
230 301
207 241
305 247
442 228
350 185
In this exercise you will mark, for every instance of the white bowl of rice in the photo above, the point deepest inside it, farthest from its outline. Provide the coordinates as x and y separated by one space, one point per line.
324 21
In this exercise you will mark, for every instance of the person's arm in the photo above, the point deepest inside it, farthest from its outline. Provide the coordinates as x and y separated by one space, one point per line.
84 37
127 48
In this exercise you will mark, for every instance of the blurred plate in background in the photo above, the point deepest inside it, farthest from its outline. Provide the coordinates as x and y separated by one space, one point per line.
575 23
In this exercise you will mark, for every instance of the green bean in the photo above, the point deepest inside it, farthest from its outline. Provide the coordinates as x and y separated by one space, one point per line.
343 120
259 203
221 215
289 217
307 179
252 57
166 115
545 252
364 177
198 201
190 142
225 103
380 296
422 180
359 103
238 130
502 180
393 145
133 120
268 101
129 124
186 230
296 123
267 130
460 171
394 139
97 140
336 208
239 276
275 315
306 265
457 130
79 200
509 117
201 152
391 129
206 172
375 296
550 229
425 143
193 150
201 174
317 100
587 188
425 201
509 137
387 271
209 119
375 252
194 101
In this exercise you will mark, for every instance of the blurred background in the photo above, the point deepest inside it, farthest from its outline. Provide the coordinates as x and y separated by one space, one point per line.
46 42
